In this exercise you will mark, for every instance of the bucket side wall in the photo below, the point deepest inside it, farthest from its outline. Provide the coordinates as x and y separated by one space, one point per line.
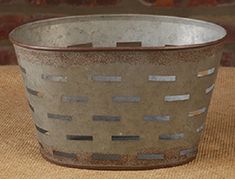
157 100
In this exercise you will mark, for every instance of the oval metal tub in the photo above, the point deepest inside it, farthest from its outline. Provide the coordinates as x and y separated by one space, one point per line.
119 91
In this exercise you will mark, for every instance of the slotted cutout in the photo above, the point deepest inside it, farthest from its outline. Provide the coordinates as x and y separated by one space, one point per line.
125 138
161 78
176 136
40 144
75 99
129 44
206 72
106 118
64 154
79 137
105 78
177 98
59 117
150 156
210 89
85 45
168 45
113 157
41 130
126 99
188 152
200 128
156 118
54 78
197 112
33 92
30 106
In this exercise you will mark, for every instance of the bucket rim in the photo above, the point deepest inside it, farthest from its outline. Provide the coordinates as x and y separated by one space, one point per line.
167 47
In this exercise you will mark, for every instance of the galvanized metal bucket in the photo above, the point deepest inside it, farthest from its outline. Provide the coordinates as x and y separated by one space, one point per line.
119 91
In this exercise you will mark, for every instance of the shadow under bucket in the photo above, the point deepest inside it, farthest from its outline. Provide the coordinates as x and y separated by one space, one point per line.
119 91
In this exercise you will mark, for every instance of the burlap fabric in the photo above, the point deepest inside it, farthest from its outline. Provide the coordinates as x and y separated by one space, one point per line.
20 157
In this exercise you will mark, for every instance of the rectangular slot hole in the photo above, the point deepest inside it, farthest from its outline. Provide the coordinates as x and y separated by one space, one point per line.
161 78
79 137
55 78
43 131
150 156
30 106
74 99
197 112
112 157
200 128
156 118
60 117
126 99
210 89
103 78
177 98
33 92
40 144
168 45
125 138
129 44
106 118
64 154
188 152
206 72
171 136
85 45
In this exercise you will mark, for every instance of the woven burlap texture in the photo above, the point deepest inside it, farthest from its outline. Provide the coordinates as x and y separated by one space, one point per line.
20 157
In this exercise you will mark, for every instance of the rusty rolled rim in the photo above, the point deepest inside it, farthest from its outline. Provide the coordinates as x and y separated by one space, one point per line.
17 42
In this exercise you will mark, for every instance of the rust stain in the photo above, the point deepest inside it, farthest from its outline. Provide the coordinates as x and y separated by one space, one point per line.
125 162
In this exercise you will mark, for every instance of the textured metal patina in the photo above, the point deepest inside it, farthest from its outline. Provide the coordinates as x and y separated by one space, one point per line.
119 91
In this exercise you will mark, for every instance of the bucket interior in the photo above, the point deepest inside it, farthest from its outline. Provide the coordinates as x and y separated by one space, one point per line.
117 31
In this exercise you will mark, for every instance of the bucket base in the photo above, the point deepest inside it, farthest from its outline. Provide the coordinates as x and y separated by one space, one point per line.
135 165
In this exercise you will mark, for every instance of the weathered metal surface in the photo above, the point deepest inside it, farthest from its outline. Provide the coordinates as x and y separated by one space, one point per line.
129 98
